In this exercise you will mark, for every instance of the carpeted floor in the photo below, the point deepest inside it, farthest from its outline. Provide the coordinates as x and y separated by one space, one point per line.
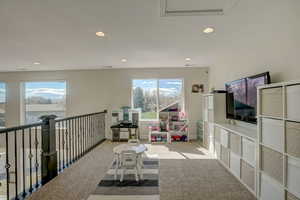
146 188
187 172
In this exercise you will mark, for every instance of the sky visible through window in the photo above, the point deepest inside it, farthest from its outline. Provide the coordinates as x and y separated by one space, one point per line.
52 90
44 98
2 93
146 84
172 86
170 91
145 95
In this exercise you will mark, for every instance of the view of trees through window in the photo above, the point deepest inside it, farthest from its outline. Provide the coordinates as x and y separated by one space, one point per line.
2 104
44 98
152 95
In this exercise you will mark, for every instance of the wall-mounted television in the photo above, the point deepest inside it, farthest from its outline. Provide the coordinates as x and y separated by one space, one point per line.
241 97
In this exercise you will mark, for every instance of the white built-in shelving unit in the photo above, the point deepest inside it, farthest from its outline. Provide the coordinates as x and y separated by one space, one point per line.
265 158
279 141
234 145
236 149
172 127
214 110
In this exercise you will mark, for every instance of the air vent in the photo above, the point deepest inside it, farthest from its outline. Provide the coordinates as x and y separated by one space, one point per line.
194 12
195 7
107 67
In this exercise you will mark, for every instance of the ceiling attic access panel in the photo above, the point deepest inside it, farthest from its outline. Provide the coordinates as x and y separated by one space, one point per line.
196 7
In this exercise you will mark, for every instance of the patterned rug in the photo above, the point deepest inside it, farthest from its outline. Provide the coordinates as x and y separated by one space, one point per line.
129 189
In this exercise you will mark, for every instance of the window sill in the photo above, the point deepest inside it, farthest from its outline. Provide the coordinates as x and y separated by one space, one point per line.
149 120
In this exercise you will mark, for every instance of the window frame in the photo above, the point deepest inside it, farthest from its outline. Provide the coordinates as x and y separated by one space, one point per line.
23 96
157 95
5 106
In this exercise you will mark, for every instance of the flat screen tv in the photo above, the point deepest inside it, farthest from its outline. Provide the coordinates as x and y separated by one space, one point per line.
241 97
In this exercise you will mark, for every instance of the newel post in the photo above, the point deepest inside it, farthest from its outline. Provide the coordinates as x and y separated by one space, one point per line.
49 153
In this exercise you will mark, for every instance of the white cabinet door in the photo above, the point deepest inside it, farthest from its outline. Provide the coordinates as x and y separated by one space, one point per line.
270 190
211 144
235 164
205 102
217 150
272 133
293 176
225 138
248 152
211 129
205 115
292 102
211 102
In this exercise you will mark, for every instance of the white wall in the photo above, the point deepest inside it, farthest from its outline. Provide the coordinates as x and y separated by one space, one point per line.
87 91
268 41
96 90
121 86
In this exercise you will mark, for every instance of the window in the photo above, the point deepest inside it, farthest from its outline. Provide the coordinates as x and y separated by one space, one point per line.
2 104
44 98
152 95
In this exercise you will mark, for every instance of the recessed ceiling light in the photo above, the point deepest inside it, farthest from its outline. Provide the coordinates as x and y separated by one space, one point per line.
100 34
188 59
208 30
36 63
124 60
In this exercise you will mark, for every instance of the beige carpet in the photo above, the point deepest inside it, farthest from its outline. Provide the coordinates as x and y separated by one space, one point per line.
187 172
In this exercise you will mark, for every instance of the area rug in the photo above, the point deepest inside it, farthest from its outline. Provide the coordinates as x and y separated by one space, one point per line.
129 189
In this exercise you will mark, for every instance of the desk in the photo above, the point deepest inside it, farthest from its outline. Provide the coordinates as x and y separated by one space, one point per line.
119 128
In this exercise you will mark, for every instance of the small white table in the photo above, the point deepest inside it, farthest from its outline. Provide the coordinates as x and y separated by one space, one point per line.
139 149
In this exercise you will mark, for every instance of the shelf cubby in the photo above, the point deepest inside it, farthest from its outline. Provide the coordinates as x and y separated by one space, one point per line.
279 141
272 101
248 174
293 99
217 150
225 155
235 143
293 138
235 164
248 151
213 110
270 190
225 138
272 163
293 175
276 127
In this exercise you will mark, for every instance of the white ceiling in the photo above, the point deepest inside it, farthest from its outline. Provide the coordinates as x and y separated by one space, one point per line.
60 34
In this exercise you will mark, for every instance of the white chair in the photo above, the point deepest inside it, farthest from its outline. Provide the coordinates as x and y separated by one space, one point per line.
116 162
129 161
139 156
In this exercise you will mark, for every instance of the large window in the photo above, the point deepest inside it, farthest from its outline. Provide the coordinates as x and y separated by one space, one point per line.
2 104
44 98
153 95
